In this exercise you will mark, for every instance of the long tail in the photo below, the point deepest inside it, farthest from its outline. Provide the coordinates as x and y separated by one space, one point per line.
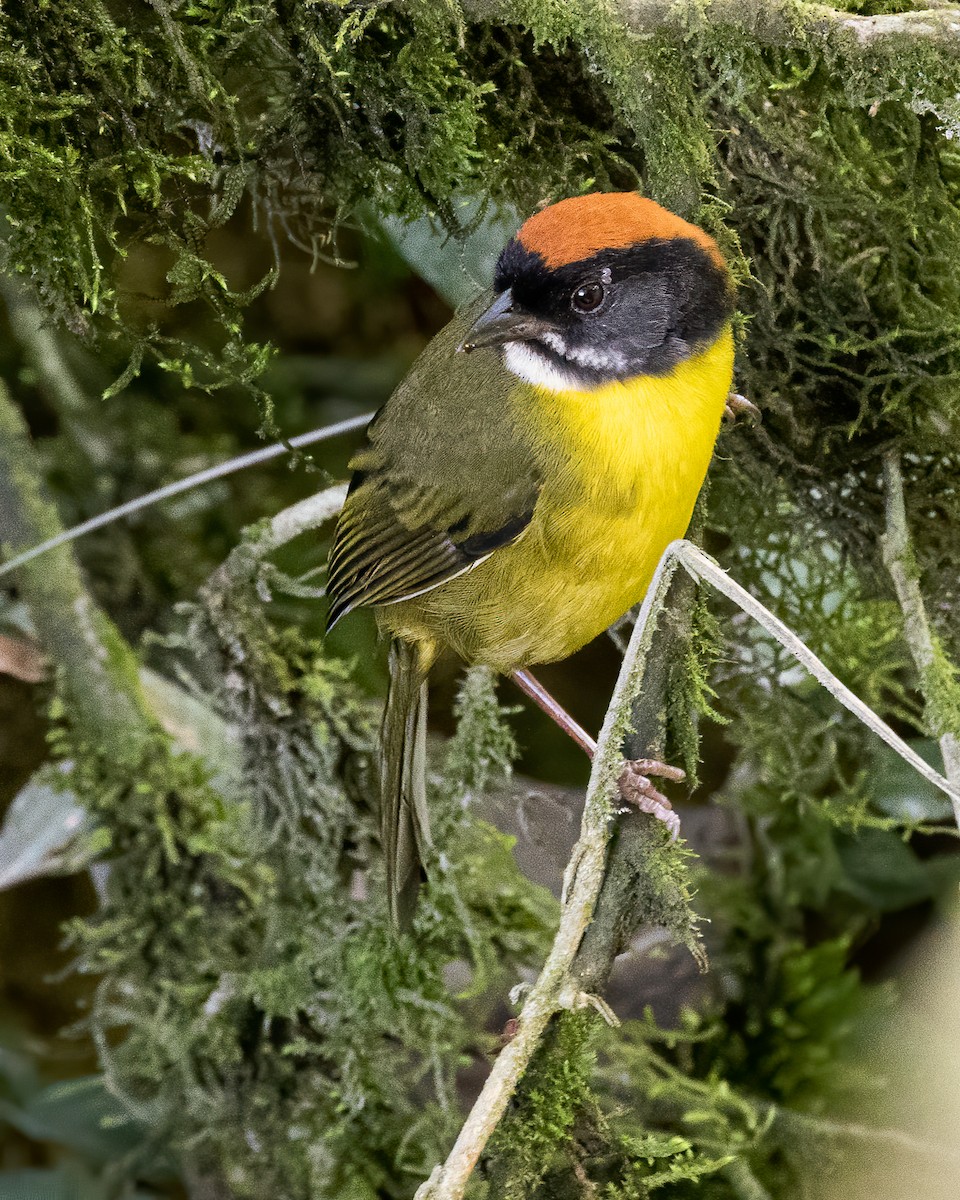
404 820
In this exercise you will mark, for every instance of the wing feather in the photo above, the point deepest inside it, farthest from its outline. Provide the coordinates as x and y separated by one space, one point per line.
384 564
445 479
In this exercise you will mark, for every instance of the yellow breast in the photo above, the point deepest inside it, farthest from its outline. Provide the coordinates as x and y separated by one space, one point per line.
622 466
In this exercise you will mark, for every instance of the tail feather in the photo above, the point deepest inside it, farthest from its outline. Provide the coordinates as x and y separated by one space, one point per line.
404 820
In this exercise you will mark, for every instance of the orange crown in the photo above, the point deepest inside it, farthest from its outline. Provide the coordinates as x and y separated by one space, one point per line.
575 229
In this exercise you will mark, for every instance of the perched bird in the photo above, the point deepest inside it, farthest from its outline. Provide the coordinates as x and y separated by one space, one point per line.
517 490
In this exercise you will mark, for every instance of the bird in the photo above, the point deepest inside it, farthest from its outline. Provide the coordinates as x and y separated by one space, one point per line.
515 493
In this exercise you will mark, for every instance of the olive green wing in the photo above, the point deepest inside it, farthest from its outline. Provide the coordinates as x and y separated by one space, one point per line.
378 560
447 476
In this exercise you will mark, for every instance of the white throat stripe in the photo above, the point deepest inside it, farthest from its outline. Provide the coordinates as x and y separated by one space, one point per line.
524 361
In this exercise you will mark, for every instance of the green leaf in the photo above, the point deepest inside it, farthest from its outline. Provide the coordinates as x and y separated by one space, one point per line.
37 1184
61 1183
46 832
881 870
900 792
80 1115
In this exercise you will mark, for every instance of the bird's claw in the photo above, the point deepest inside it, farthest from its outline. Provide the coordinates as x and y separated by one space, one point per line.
518 993
638 791
572 999
738 405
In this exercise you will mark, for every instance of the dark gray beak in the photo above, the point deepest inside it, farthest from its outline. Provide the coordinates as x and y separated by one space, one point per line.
504 323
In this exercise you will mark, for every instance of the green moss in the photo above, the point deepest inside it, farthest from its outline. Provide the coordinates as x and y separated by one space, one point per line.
691 696
554 1092
484 746
243 944
941 690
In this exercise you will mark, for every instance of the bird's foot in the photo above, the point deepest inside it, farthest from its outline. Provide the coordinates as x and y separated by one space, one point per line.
509 1031
637 790
738 405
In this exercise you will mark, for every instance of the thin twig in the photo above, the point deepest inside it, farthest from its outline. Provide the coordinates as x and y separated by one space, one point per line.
243 562
299 518
920 638
702 566
854 1131
239 463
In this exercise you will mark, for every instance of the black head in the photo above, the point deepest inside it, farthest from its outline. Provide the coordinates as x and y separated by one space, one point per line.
655 292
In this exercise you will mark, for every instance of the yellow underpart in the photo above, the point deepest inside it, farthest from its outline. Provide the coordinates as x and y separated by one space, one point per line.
623 465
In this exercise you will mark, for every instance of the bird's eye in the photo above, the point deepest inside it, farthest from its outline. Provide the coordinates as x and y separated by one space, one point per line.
587 298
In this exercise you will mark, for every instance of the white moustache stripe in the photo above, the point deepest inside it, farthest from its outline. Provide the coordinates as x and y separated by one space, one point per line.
522 360
601 360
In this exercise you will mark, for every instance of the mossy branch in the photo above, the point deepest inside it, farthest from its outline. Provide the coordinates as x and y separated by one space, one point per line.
99 671
780 22
222 591
938 677
286 525
558 987
774 23
621 906
43 353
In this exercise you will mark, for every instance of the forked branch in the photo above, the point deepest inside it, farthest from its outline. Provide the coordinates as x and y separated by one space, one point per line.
557 987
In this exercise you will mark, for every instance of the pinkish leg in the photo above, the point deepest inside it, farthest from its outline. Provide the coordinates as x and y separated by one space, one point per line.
634 782
542 698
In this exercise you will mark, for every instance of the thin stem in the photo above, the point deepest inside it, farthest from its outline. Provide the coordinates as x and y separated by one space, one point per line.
184 485
805 1124
702 566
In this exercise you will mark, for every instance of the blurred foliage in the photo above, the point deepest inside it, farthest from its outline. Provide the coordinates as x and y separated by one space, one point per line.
185 188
